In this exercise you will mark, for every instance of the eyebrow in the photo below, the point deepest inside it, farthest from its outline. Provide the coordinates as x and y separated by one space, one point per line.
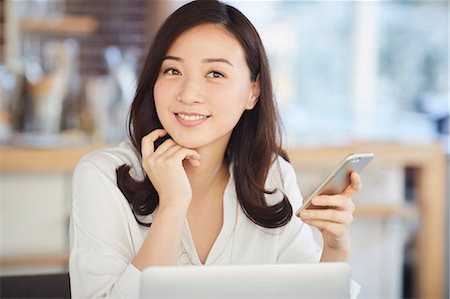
223 60
173 58
206 60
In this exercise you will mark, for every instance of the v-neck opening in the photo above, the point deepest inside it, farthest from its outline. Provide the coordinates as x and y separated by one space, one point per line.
221 243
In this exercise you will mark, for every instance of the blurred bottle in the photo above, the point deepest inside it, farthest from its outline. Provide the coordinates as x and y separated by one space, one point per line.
47 83
10 110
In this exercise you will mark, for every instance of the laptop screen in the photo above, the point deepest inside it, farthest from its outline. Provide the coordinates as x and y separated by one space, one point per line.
310 280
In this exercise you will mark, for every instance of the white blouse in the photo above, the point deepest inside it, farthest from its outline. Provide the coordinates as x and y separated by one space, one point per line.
105 236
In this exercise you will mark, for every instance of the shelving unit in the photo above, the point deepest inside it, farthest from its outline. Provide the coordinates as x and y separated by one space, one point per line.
69 24
16 26
430 207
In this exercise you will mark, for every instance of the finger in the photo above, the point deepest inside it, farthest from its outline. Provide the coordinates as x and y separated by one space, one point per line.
184 153
336 229
147 143
167 150
339 201
355 185
167 145
328 215
194 162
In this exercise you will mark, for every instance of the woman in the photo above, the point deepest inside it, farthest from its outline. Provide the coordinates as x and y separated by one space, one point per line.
204 180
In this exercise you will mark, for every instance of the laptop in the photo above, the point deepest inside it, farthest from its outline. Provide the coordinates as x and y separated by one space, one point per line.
310 280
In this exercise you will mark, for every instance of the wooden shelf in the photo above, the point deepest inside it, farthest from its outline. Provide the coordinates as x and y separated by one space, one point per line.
71 24
386 154
405 211
40 260
36 159
28 159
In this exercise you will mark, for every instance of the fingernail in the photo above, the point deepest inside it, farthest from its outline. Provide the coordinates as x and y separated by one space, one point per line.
306 214
317 200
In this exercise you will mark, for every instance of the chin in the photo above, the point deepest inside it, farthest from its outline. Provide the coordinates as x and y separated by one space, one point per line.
186 142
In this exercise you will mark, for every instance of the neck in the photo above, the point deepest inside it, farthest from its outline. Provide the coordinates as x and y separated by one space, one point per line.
211 174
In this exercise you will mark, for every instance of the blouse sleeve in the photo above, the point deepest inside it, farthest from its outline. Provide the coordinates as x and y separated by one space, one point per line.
100 246
297 241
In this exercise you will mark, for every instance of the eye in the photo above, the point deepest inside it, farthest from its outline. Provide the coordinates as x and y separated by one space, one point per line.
171 71
215 74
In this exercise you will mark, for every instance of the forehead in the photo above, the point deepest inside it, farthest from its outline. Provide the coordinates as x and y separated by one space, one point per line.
208 41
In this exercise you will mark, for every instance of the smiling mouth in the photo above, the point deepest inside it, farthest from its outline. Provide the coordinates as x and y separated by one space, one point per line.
191 117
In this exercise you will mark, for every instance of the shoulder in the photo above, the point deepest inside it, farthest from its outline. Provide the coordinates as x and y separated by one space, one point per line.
281 173
106 161
282 177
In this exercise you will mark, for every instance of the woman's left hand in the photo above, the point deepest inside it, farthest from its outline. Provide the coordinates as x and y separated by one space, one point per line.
335 218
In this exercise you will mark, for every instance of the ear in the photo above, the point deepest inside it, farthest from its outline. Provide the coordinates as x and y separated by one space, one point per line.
255 91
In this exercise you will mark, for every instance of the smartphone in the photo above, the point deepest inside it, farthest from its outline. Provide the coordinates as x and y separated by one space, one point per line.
339 179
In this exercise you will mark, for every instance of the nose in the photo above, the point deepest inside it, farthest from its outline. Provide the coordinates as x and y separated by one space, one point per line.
190 91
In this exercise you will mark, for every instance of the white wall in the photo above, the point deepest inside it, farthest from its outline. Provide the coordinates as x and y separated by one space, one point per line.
34 216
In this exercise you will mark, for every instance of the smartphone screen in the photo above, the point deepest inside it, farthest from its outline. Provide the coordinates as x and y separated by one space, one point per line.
339 179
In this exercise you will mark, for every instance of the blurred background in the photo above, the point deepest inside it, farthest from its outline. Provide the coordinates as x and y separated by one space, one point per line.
349 76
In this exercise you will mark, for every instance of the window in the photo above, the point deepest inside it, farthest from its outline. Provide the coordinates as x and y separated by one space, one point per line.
357 70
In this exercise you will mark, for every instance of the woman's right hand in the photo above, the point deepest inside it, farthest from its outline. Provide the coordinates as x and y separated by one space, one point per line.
164 167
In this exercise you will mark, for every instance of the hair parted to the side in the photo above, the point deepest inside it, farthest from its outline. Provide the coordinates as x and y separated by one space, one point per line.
256 140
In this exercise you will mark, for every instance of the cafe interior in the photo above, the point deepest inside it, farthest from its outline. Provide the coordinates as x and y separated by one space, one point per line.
349 76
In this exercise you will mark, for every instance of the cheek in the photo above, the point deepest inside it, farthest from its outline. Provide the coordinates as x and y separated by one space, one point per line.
233 98
160 95
230 106
157 93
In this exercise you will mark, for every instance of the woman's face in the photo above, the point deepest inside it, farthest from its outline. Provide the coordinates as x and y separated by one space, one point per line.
203 87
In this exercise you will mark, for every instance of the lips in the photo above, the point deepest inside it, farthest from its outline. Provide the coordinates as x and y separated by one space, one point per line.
189 119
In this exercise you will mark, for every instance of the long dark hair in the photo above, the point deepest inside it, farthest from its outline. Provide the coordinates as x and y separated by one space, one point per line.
255 142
